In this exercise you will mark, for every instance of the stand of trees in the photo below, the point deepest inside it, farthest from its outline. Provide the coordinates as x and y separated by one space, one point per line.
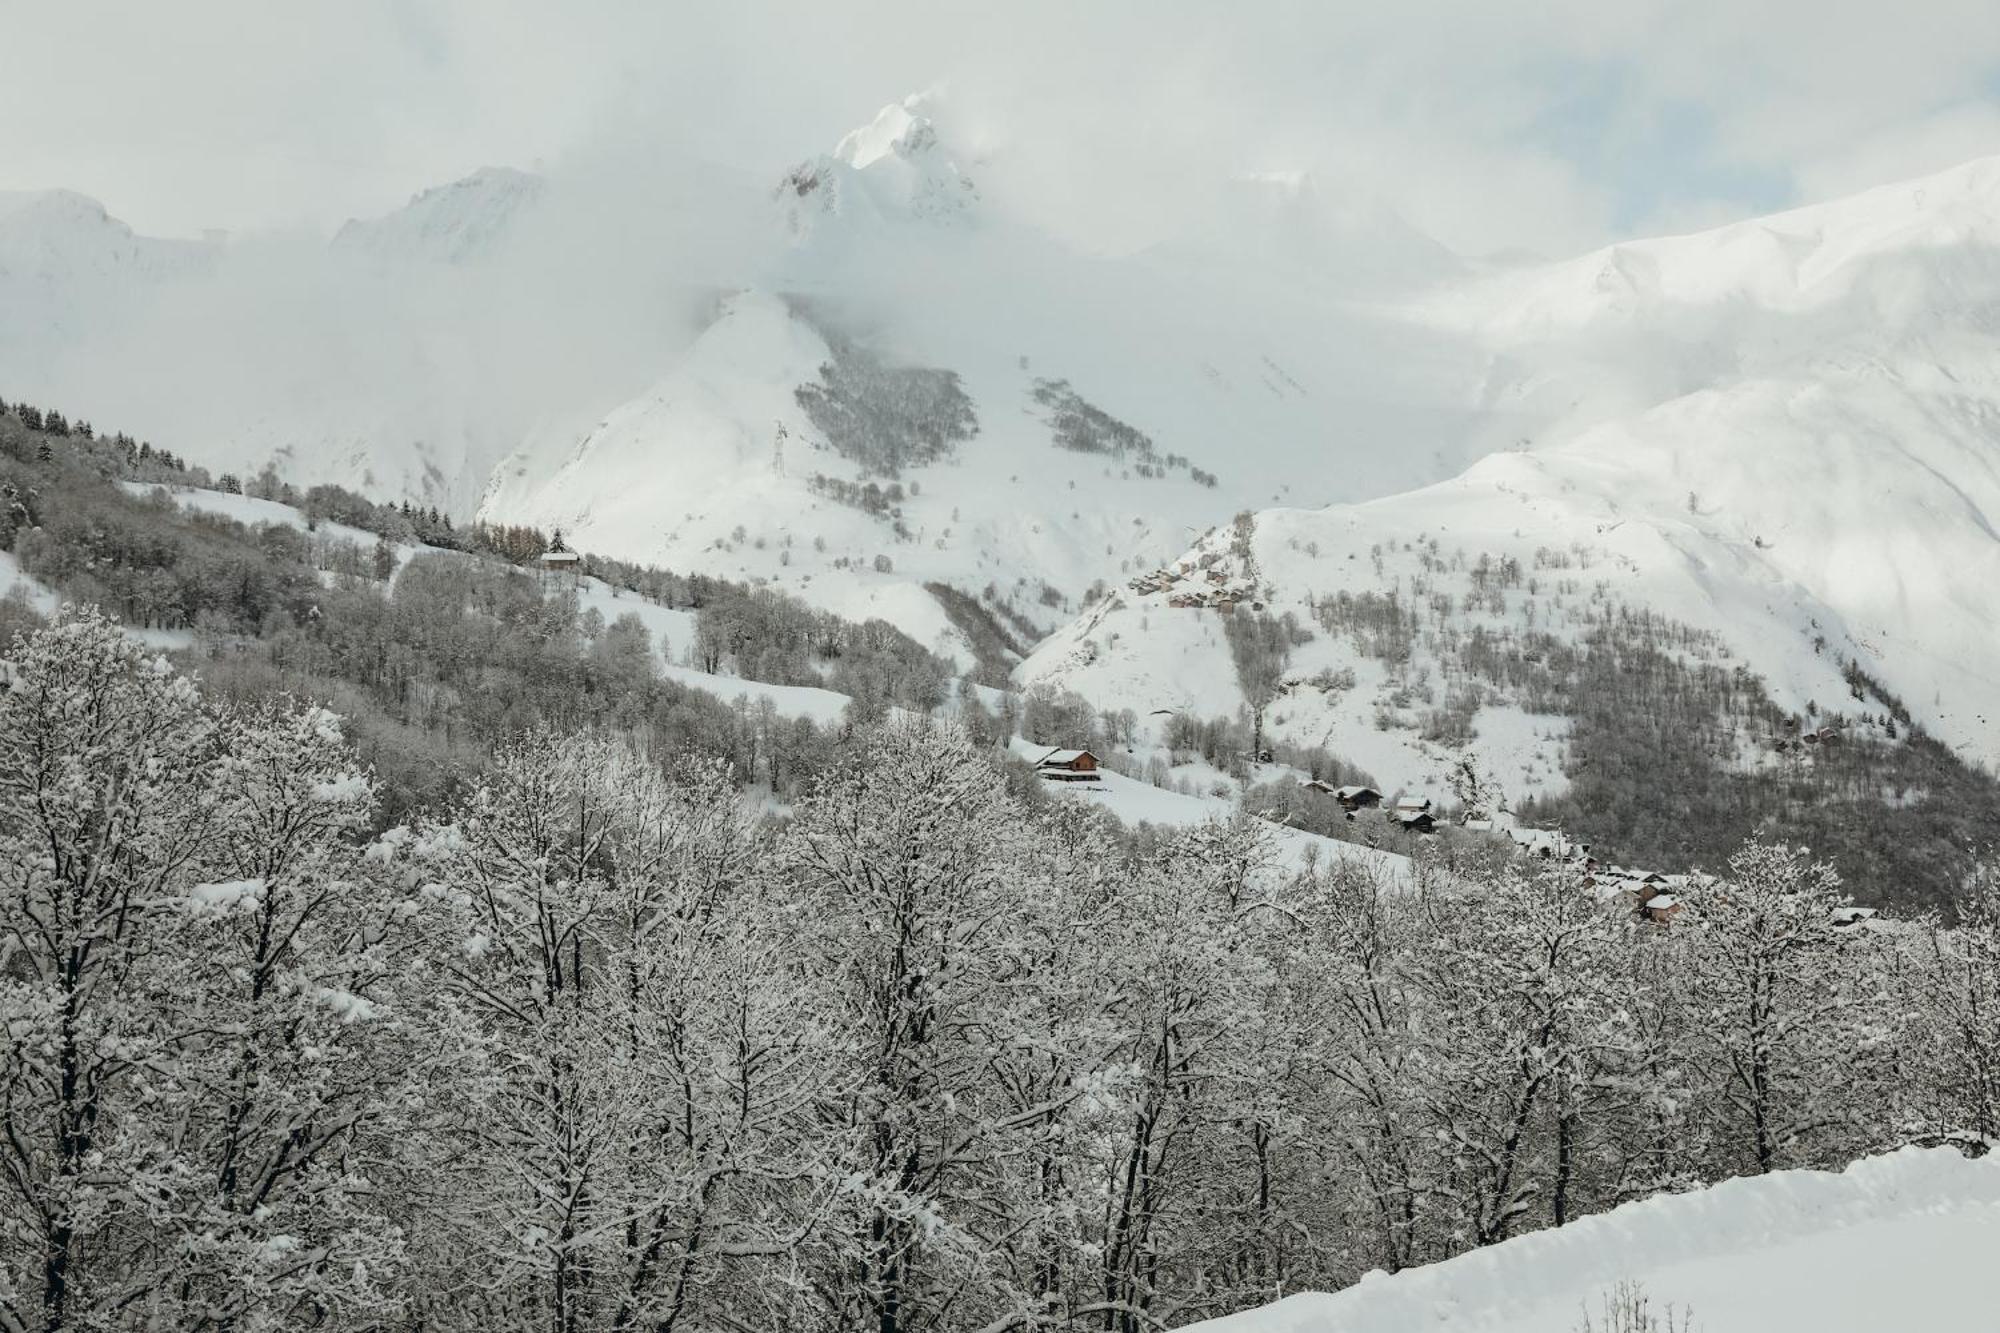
585 1046
439 661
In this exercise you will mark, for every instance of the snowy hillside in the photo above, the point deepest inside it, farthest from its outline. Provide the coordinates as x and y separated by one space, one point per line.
1901 1241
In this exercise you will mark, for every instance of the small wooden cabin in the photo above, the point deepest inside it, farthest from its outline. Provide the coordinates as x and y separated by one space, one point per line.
1068 766
1416 821
1357 798
560 564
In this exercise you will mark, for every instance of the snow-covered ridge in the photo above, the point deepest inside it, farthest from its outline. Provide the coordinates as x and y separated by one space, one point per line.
448 223
1899 1241
1938 233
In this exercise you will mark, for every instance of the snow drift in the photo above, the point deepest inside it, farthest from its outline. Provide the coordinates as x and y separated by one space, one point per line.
1900 1241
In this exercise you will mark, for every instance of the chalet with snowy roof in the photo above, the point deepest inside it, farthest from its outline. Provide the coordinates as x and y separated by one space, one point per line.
1661 908
559 563
1359 798
1415 821
1413 803
1067 766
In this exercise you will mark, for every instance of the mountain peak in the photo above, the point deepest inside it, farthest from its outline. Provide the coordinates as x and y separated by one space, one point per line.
900 129
896 167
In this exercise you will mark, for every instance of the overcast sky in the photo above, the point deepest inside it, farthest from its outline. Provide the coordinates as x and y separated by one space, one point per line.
1547 126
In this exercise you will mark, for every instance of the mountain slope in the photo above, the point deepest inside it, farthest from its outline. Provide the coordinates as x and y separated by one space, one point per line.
1799 467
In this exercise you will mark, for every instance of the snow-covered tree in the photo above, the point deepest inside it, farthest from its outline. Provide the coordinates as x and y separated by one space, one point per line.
1779 1017
194 951
900 867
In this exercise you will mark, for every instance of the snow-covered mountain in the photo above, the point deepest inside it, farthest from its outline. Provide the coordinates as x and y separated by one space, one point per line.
1783 435
1752 1255
1108 408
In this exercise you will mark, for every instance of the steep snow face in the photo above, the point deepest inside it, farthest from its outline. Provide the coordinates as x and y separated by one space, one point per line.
1900 1241
451 223
1784 433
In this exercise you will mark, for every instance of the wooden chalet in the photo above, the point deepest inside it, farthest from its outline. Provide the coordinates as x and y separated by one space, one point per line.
1067 766
1357 798
560 564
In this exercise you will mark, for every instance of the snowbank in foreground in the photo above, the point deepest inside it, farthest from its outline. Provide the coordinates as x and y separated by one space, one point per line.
1903 1241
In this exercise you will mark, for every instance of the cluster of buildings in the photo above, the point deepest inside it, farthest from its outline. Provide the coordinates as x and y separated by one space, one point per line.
1804 742
1646 893
1198 581
1412 812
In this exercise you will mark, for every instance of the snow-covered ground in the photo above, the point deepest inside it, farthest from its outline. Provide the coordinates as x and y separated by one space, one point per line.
1900 1242
249 510
822 706
17 582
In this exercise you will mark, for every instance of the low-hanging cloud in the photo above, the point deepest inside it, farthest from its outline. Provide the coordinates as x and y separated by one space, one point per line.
242 114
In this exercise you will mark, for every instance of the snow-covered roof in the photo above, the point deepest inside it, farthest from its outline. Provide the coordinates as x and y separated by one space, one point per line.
1349 793
1660 902
1057 758
560 557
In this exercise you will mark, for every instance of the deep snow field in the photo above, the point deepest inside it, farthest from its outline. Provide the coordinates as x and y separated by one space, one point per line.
1903 1243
